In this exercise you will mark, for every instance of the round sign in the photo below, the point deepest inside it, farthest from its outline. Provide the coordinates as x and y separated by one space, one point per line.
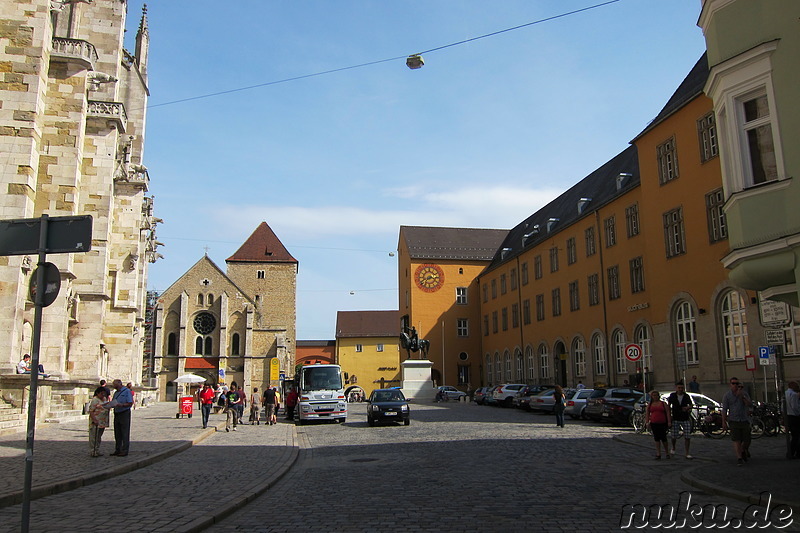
633 352
52 284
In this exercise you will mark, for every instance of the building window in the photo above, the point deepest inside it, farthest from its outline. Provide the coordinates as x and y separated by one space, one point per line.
594 289
572 251
717 228
463 375
757 131
531 365
632 220
556 301
642 338
579 356
526 312
686 331
462 327
674 239
485 293
734 326
172 344
599 352
613 283
494 321
667 161
591 247
485 325
379 347
259 274
209 345
359 348
503 288
210 299
498 369
544 362
235 344
514 315
461 295
200 300
198 346
540 307
792 333
637 274
488 369
619 352
707 135
520 367
554 259
537 267
574 300
204 323
524 273
504 318
513 279
494 289
507 357
610 229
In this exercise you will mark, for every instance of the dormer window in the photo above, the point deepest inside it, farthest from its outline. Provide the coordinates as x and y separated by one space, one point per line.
583 204
551 224
623 178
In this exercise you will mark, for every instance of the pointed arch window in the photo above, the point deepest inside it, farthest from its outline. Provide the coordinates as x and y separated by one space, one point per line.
235 344
200 299
172 344
209 346
198 346
210 299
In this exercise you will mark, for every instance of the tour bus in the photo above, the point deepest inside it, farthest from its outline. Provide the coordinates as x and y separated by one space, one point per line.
321 394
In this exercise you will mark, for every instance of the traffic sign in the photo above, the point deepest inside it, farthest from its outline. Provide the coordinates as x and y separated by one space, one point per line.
52 284
773 313
763 355
633 352
64 235
775 336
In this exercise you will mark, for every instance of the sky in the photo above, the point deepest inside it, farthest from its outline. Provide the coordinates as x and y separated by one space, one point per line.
482 136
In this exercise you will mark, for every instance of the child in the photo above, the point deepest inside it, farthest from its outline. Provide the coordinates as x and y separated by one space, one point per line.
98 420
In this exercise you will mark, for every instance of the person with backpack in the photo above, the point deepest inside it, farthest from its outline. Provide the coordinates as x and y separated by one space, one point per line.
232 400
269 405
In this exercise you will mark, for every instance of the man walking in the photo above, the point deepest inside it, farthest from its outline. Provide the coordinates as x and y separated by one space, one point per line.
121 403
269 404
231 411
291 403
680 404
694 386
735 404
206 403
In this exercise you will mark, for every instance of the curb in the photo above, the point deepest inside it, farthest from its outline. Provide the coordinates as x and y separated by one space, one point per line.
204 522
745 497
40 491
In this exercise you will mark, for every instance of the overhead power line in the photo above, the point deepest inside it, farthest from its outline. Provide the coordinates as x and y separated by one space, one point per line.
370 63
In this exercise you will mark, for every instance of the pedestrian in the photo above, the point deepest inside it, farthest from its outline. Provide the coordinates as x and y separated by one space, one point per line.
269 405
121 403
559 405
231 409
277 403
206 403
580 386
291 403
255 407
103 384
98 420
694 386
735 418
133 393
657 418
793 412
680 404
242 403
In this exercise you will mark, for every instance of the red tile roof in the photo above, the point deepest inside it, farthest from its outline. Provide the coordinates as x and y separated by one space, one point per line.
263 246
367 324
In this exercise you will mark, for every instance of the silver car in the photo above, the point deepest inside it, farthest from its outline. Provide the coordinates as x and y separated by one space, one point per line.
576 403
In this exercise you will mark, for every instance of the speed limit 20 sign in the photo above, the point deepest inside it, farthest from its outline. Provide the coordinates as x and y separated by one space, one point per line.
633 352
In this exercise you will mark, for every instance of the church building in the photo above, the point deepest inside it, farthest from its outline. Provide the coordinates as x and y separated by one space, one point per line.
234 326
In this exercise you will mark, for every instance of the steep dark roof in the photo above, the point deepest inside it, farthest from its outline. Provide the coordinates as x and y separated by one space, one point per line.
315 344
600 187
263 246
452 243
367 324
689 89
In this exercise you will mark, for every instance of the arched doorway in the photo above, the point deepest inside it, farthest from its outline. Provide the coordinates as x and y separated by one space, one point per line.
355 394
560 366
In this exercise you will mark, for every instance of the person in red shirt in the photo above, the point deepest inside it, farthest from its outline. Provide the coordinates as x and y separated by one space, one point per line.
291 403
206 402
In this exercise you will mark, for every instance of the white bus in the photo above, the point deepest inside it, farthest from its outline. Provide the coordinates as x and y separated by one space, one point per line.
321 394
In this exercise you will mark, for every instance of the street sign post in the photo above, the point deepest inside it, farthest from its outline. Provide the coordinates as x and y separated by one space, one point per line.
43 235
773 314
633 352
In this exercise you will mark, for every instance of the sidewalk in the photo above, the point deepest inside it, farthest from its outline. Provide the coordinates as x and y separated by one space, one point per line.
245 463
714 468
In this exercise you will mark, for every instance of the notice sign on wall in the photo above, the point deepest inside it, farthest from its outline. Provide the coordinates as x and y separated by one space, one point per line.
274 369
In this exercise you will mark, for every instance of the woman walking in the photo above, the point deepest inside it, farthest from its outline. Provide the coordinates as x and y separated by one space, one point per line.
657 417
559 405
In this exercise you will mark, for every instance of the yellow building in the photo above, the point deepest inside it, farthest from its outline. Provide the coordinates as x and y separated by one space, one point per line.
438 291
368 350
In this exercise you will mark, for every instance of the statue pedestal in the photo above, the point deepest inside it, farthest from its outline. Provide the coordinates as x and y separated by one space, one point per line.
417 382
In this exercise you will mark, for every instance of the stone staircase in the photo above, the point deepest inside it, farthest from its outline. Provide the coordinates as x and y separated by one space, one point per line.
12 419
62 411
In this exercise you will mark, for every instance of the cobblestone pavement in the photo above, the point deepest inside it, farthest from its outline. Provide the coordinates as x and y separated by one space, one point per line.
182 492
463 467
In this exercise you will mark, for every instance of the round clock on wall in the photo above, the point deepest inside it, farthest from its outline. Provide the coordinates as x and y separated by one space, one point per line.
429 277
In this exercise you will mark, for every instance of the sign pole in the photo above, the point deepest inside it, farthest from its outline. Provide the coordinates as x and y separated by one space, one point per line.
37 334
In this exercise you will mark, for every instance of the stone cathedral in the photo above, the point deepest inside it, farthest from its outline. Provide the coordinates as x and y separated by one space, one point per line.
72 118
230 326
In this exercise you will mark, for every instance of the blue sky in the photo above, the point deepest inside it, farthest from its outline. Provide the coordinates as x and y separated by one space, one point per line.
482 136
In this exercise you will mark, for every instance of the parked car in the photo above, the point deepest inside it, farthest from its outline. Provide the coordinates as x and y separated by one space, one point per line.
387 405
600 396
480 395
576 403
489 399
619 411
450 393
544 402
523 397
504 394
